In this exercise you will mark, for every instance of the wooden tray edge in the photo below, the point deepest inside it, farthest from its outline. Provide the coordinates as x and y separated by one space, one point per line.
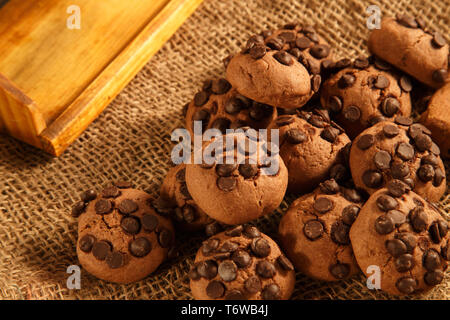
95 98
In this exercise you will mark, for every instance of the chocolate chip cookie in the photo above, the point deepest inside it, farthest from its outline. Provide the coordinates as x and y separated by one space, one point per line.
314 232
241 183
437 119
241 264
402 234
367 92
120 237
402 150
220 106
280 68
310 145
406 43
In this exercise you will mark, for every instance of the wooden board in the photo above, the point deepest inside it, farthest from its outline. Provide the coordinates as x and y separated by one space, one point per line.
54 80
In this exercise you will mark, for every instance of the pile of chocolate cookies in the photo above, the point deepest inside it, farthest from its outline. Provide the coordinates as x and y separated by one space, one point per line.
366 174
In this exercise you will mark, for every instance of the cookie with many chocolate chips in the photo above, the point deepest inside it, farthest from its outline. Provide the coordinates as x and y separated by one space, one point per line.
437 119
314 232
120 237
175 197
402 150
406 237
363 94
222 107
403 42
280 68
310 145
250 184
241 264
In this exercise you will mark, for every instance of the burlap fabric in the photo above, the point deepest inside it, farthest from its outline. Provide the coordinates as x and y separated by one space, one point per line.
131 141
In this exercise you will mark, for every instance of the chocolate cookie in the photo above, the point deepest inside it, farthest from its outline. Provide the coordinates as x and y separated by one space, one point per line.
175 196
220 106
363 94
242 189
310 145
402 234
404 42
314 232
401 150
120 237
241 264
437 119
280 68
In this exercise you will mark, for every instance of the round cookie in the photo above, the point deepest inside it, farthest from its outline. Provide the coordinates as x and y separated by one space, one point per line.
363 94
402 234
241 264
405 42
220 106
249 187
310 145
400 150
280 68
175 195
120 237
314 232
437 119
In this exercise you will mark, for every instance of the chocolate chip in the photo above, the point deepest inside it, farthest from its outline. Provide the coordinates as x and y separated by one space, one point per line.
295 136
226 184
439 75
349 214
382 160
86 243
140 247
445 251
340 233
303 43
201 115
251 232
284 120
431 260
423 142
335 103
439 177
320 51
399 170
207 269
233 106
284 58
149 222
209 246
384 224
248 170
241 258
361 63
323 205
265 269
397 217
391 130
330 134
317 121
397 188
406 285
405 151
128 206
234 294
220 86
115 260
260 247
130 225
228 247
339 172
201 98
426 172
352 113
405 84
213 228
407 20
372 179
252 284
258 51
275 43
225 170
313 229
376 119
390 106
271 292
381 64
408 239
285 263
193 273
435 149
340 270
227 270
365 141
396 247
438 40
329 187
234 232
103 206
184 191
342 64
381 82
165 238
430 159
222 256
78 208
315 82
404 121
101 249
221 124
215 289
419 219
404 262
386 203
434 277
111 192
88 195
188 213
346 80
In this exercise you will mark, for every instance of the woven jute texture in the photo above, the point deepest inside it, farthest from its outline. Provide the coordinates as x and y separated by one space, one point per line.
131 141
